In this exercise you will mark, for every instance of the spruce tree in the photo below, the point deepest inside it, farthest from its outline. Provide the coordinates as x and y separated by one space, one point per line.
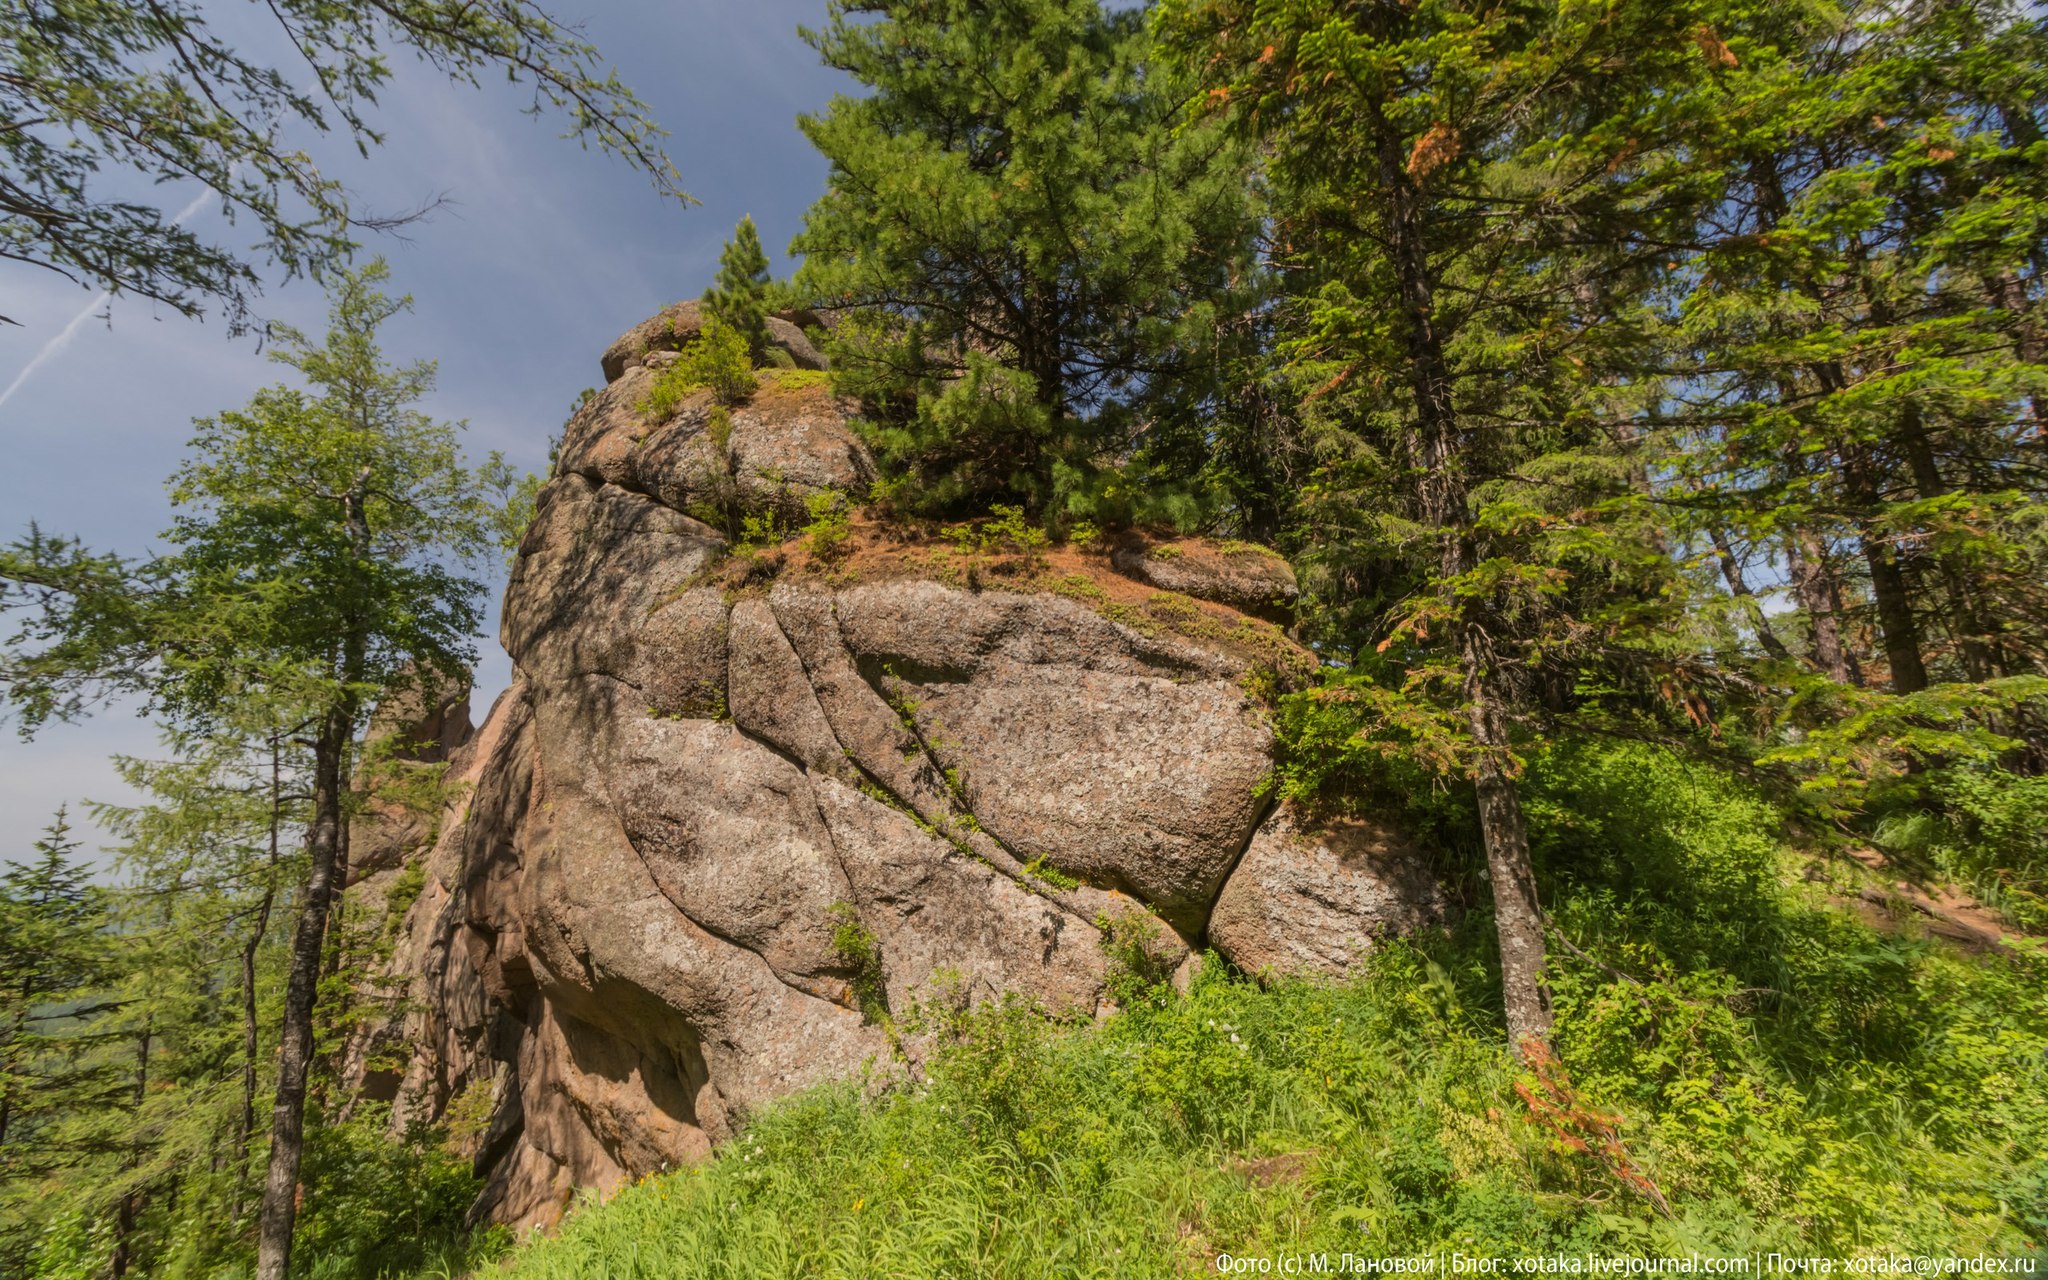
1026 230
739 300
54 953
1471 206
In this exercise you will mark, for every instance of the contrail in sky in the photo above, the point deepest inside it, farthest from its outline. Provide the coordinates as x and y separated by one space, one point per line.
68 332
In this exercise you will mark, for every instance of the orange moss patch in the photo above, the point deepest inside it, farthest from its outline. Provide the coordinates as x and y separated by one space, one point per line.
878 550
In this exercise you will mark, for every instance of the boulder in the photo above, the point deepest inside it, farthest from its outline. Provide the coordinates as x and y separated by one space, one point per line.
675 327
1309 901
1244 576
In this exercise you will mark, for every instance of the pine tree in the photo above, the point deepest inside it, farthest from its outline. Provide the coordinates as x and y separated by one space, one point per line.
739 300
1862 405
53 953
1020 202
56 958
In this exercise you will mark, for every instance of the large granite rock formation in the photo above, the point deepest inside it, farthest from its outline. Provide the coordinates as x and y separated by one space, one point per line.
735 811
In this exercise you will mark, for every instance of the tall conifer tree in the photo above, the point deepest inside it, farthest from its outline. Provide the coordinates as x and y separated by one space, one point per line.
740 298
1472 204
1026 226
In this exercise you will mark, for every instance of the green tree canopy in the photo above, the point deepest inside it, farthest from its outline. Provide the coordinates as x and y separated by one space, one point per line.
92 90
1020 201
320 559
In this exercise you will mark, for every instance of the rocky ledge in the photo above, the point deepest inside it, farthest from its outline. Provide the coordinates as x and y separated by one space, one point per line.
737 811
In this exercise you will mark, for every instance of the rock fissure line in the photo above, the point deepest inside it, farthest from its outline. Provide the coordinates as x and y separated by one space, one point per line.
1237 859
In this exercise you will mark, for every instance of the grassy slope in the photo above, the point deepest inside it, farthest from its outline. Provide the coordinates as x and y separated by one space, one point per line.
1785 1077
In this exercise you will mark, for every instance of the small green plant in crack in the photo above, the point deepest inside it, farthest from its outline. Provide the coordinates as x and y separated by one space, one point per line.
829 533
966 822
901 703
718 428
759 531
860 953
1140 961
1039 869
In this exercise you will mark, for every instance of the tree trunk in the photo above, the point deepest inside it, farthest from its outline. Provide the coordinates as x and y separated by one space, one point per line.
1731 573
1441 501
131 1200
245 1127
1965 621
295 1051
1888 587
1821 596
1517 915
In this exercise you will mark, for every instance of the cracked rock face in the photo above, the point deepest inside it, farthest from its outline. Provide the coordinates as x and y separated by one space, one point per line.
701 819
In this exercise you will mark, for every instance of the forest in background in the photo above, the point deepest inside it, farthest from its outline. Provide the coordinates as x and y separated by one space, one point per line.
1649 398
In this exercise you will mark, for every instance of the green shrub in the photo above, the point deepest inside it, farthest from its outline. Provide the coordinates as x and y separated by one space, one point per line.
1987 830
829 533
983 438
860 954
1139 963
378 1206
717 361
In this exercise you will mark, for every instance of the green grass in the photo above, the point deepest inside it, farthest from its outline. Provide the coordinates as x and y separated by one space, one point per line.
1143 1146
1782 1076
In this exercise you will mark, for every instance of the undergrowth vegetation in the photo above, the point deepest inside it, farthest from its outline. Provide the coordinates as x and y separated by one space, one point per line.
1740 1066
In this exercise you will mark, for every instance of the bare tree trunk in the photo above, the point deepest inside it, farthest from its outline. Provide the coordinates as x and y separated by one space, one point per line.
125 1211
295 1052
1888 587
1965 621
1518 916
1821 596
1731 573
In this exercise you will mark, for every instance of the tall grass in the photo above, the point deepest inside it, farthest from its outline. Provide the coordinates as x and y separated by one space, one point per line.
1741 1067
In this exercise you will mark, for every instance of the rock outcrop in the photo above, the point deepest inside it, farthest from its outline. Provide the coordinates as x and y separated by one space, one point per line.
1241 575
737 811
676 327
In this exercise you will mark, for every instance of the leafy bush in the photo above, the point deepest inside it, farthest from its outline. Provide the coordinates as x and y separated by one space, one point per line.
718 361
376 1207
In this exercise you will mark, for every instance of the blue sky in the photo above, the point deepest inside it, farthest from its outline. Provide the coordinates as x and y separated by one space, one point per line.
545 254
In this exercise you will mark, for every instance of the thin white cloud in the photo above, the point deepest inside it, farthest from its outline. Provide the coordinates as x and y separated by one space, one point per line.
56 345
